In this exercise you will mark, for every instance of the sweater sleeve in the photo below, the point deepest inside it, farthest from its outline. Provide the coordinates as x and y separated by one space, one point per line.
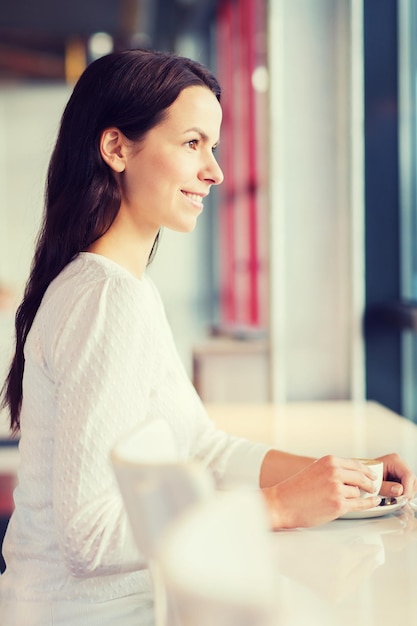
94 359
233 461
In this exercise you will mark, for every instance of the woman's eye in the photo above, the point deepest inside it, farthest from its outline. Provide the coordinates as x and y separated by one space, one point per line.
192 143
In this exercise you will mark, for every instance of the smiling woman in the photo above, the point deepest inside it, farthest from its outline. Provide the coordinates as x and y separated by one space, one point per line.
94 355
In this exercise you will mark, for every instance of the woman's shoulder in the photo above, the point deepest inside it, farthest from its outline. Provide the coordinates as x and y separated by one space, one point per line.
96 268
90 273
91 286
92 296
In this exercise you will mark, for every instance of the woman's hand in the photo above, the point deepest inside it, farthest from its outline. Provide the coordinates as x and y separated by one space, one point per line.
399 480
323 491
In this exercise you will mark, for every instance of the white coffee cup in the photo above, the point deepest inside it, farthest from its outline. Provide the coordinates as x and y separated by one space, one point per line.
378 469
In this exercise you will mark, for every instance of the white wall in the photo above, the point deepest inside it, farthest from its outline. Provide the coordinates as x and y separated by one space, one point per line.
29 118
316 199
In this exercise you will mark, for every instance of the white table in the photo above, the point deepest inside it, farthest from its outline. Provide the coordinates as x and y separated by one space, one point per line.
360 572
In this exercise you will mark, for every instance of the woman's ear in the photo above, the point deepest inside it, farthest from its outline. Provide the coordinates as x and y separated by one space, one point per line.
113 149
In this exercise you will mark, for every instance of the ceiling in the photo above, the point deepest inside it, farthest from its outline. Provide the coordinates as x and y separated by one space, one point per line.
43 39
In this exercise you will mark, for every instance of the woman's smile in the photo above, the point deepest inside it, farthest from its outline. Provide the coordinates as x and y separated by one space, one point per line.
196 199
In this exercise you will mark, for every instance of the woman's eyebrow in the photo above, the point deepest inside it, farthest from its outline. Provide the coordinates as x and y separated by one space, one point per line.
196 129
200 131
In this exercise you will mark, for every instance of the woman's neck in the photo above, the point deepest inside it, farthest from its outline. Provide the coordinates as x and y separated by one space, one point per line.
128 250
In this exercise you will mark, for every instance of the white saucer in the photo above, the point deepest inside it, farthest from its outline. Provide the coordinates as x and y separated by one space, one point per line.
376 511
413 504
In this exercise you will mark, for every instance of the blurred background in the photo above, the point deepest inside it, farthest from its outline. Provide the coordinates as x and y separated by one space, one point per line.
299 281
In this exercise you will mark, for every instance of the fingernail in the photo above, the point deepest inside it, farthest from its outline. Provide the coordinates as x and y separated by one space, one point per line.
396 490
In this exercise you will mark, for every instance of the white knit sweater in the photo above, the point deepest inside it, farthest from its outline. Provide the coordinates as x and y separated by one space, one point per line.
99 359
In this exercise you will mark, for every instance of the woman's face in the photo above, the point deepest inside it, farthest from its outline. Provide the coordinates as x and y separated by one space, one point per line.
166 179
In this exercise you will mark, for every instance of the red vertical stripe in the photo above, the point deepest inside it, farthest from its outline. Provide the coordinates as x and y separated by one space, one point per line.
241 218
249 12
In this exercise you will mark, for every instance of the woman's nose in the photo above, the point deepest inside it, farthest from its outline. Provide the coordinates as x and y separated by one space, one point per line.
219 174
213 172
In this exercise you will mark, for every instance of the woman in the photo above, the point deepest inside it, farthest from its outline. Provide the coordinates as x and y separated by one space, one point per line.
95 356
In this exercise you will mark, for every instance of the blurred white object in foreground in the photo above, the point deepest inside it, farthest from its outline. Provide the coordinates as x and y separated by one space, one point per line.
217 564
156 488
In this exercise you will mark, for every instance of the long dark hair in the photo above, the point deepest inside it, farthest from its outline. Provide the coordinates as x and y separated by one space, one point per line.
129 90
